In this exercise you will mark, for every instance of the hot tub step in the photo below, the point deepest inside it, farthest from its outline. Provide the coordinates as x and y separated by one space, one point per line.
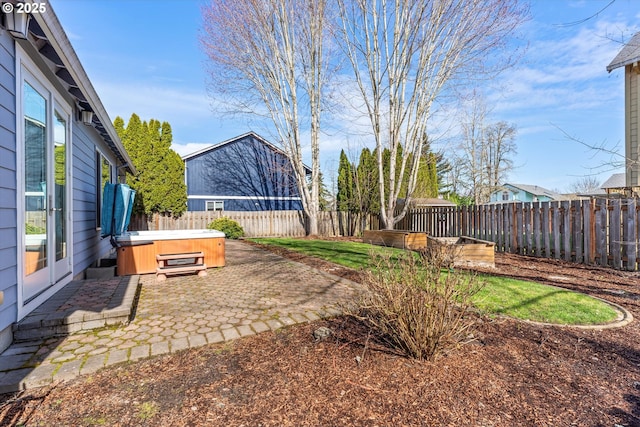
188 262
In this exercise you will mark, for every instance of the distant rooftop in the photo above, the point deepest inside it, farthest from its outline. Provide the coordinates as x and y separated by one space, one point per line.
535 190
617 180
629 54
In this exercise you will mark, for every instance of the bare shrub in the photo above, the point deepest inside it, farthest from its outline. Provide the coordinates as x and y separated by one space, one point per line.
416 304
440 254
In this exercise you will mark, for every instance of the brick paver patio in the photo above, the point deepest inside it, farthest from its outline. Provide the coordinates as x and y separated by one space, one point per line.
256 291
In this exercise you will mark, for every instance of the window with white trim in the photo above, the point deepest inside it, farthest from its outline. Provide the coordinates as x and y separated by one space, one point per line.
214 205
104 174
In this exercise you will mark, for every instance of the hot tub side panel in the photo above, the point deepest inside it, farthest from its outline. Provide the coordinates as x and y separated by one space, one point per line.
141 258
213 249
136 259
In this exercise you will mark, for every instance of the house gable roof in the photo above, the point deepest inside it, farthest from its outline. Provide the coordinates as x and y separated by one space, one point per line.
48 37
629 54
535 190
617 180
238 138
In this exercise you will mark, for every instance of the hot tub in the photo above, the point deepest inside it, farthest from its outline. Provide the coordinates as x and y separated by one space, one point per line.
137 250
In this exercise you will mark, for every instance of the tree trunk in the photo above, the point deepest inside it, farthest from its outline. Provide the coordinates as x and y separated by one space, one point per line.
312 223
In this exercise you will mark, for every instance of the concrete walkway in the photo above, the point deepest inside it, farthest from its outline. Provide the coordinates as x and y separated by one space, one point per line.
256 291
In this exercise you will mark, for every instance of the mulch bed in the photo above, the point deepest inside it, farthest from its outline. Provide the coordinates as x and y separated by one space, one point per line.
514 373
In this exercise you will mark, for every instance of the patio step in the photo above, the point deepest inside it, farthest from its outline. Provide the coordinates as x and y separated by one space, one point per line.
100 272
108 262
81 305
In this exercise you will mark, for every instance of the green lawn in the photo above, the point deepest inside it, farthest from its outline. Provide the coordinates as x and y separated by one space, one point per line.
500 295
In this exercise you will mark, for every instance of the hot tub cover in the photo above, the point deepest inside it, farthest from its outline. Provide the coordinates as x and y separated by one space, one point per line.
117 205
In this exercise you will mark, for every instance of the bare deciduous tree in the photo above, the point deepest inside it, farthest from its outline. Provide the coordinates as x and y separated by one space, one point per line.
483 155
585 185
404 54
471 154
501 145
267 57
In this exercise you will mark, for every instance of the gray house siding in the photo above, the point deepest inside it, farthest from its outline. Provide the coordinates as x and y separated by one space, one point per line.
21 292
8 227
246 173
88 245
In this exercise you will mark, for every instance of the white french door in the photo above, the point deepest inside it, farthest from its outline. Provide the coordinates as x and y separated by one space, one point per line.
46 137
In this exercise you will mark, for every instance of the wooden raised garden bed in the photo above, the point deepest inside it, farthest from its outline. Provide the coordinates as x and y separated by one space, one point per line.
465 251
400 239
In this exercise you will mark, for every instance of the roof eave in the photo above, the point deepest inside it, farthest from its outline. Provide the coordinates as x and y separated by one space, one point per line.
629 54
60 42
235 138
613 66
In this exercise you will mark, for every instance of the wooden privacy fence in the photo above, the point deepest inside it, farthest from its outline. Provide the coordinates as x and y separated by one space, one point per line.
600 231
260 223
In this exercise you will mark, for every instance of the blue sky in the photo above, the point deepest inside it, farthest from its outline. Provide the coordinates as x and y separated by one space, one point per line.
143 56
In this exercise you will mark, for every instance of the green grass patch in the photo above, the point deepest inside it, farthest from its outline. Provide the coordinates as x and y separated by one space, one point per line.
541 303
350 254
500 295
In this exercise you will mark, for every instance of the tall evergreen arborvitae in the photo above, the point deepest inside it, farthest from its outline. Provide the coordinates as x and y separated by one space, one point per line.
427 182
367 183
324 195
159 182
345 196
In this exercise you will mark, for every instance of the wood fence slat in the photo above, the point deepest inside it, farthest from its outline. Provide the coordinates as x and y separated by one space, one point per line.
630 234
636 216
601 238
546 226
519 230
510 239
555 223
537 231
566 229
500 228
577 227
615 239
528 225
588 230
493 230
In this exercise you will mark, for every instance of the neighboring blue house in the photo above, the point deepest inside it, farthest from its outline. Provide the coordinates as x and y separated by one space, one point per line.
57 149
246 173
522 193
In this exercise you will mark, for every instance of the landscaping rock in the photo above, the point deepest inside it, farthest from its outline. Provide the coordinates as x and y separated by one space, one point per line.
322 333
